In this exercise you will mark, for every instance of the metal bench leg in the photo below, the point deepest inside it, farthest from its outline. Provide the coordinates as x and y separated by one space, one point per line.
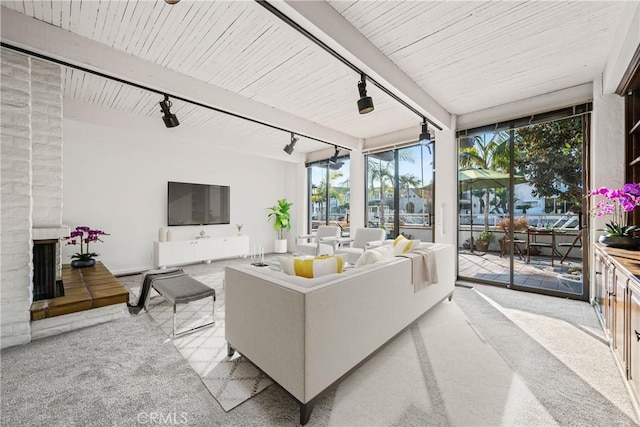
186 331
174 321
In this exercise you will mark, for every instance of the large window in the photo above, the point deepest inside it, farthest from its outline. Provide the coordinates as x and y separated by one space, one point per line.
329 193
521 203
400 191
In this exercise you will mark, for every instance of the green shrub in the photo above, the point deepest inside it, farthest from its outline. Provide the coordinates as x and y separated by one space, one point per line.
487 236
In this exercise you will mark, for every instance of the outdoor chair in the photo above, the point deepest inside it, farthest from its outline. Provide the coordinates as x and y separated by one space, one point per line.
506 241
577 241
362 239
533 234
322 242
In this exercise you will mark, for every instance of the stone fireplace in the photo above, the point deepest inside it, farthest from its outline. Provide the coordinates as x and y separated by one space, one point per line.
31 229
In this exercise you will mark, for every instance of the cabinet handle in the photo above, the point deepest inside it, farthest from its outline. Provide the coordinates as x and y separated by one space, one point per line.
611 294
637 335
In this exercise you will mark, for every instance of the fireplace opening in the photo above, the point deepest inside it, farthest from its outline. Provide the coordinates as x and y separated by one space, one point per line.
45 285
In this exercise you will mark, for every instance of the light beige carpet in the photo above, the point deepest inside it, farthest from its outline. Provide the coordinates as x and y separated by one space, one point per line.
492 357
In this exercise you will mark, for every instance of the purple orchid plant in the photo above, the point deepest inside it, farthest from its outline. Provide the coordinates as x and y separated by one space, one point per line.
617 202
84 235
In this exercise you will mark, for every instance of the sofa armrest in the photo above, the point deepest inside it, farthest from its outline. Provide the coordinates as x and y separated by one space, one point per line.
277 345
344 241
373 244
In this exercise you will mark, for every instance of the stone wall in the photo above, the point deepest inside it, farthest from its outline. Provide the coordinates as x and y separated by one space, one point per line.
46 144
31 176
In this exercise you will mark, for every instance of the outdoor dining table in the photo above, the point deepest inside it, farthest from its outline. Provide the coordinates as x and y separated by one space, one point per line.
548 240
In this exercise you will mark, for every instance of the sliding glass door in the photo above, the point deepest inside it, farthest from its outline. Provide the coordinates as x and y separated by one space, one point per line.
521 212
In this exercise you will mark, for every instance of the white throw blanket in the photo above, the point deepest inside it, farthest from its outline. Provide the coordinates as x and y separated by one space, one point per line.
423 268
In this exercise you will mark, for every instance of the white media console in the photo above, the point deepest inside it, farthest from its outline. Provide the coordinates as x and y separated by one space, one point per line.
178 252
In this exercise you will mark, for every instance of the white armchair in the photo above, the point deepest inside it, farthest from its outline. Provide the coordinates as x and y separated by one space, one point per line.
363 238
322 242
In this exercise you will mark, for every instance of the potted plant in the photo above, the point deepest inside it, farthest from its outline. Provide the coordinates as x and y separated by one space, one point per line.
484 240
281 223
618 202
84 235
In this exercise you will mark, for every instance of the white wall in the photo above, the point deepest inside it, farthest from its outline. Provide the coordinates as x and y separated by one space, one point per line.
115 179
446 182
626 43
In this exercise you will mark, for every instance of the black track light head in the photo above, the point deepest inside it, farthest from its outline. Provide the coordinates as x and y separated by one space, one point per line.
289 147
170 120
425 136
365 103
334 158
334 163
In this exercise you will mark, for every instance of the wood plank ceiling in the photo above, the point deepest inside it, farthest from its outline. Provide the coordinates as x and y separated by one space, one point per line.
474 55
467 55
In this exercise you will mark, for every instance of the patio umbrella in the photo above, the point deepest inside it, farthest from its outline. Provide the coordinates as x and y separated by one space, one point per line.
478 178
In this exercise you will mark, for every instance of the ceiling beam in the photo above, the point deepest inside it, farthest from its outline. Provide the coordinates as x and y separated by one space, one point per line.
330 27
19 30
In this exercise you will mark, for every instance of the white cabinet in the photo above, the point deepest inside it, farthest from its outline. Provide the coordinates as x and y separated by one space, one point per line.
188 251
180 252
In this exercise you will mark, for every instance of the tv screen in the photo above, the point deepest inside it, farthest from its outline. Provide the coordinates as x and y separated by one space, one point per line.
198 204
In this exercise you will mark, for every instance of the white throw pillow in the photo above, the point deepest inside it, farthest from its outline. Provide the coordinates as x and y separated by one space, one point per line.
402 245
372 256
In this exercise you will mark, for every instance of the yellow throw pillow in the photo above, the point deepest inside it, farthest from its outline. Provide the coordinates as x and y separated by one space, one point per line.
402 245
312 267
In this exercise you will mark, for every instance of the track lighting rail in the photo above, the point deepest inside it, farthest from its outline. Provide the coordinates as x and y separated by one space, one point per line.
159 92
340 58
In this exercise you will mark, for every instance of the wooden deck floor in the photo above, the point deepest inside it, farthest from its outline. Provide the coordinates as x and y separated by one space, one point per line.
537 274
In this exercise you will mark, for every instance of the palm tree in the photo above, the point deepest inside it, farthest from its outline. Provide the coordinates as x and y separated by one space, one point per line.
409 181
382 174
320 195
381 171
490 154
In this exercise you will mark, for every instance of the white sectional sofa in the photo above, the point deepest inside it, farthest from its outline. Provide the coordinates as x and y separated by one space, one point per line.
306 334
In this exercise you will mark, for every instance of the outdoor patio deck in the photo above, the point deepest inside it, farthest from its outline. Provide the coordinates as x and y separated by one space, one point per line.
537 274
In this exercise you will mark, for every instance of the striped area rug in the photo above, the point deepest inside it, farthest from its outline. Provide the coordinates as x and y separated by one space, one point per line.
231 380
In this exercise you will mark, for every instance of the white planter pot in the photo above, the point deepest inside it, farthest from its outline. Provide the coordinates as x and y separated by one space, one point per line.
281 246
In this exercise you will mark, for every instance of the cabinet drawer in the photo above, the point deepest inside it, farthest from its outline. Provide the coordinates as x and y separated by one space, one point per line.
634 346
619 321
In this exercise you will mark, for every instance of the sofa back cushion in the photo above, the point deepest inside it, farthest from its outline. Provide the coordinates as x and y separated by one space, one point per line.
311 267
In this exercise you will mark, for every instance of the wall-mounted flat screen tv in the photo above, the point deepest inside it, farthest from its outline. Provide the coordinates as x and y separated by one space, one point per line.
198 204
